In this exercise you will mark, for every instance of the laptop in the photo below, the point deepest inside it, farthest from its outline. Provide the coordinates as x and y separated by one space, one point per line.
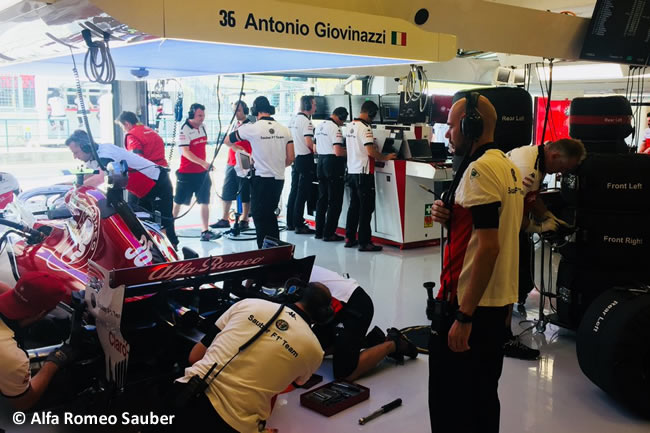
391 145
438 152
420 150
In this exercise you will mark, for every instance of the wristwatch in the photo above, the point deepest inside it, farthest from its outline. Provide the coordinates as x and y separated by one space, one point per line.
462 317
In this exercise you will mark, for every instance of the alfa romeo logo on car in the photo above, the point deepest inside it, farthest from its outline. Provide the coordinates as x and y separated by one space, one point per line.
282 325
271 131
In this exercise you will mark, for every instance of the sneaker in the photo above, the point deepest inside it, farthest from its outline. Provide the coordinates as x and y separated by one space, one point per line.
208 236
370 247
402 345
333 238
221 224
516 349
351 243
304 230
243 225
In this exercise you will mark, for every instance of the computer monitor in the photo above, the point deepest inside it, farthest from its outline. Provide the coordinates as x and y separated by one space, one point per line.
391 145
618 32
326 104
438 151
356 101
419 148
410 113
389 108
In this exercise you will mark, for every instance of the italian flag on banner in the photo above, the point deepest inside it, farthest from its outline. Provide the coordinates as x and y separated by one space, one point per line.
398 38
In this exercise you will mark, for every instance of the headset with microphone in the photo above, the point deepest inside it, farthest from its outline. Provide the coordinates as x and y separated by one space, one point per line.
82 139
193 108
471 126
261 104
307 293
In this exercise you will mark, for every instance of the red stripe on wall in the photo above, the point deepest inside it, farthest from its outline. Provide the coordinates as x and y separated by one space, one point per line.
403 39
400 183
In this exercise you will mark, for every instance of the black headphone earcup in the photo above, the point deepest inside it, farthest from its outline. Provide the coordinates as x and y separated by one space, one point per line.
246 110
471 126
190 114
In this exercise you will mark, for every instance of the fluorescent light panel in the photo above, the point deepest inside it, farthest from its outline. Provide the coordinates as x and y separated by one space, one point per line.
595 71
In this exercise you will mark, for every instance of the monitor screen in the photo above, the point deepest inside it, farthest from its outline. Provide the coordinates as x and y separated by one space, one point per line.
389 108
356 101
391 145
326 104
409 112
419 148
438 151
619 31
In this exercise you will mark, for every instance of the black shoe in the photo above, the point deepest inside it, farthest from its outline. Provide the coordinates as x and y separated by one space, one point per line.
304 230
370 247
221 224
290 228
402 345
318 236
351 243
516 349
209 236
243 225
333 238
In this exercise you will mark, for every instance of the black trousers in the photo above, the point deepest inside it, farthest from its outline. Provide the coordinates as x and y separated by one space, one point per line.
331 184
526 284
197 417
463 395
302 176
347 340
265 196
362 205
161 198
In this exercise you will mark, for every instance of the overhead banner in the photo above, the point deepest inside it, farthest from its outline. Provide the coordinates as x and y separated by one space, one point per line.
275 24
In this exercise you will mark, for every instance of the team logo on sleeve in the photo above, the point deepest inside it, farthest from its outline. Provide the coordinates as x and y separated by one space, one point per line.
474 173
271 131
282 325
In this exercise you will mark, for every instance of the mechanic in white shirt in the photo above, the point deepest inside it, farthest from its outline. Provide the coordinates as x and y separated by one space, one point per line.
330 146
362 153
272 152
345 336
302 172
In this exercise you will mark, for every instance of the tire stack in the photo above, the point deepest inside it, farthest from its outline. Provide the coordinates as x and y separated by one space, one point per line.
602 276
609 202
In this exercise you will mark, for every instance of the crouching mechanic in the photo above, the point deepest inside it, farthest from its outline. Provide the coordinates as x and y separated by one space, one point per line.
534 163
239 398
147 181
345 335
35 295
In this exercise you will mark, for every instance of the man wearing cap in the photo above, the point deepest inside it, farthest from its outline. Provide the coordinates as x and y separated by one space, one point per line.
331 175
35 295
272 152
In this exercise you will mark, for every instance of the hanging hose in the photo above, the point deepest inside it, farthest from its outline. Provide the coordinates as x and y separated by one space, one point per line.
98 63
416 78
82 104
